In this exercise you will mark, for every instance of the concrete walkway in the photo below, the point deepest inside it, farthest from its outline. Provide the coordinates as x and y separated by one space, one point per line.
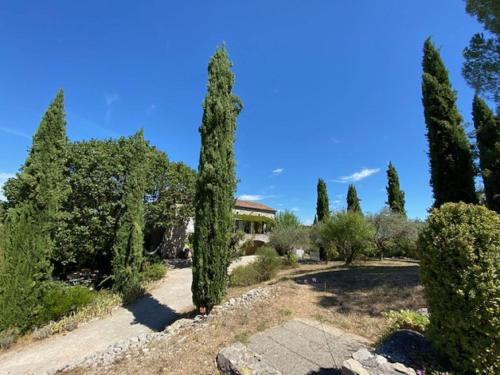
154 312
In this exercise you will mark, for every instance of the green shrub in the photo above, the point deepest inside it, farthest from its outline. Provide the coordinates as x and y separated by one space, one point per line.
59 300
154 271
407 319
349 233
244 276
264 268
460 263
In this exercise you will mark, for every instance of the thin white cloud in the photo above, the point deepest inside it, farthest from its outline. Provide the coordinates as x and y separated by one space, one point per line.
14 132
278 171
335 140
295 209
3 179
359 175
309 221
251 197
110 98
151 109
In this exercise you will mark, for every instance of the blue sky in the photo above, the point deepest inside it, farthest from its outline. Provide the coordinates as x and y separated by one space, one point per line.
330 88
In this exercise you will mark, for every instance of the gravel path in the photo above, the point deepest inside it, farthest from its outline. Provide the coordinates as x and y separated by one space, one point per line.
154 312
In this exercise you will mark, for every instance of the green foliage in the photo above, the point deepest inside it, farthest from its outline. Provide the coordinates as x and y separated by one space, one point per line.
287 219
153 271
487 12
322 212
255 218
452 172
169 206
287 238
488 142
407 319
353 203
128 246
59 299
264 268
8 337
395 196
26 243
216 184
460 264
394 234
349 234
322 204
481 68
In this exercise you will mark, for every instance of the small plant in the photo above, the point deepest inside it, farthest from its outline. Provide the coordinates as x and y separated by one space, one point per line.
244 276
407 319
154 271
8 337
242 337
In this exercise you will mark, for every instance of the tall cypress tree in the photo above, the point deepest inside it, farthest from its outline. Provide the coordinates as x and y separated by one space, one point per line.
451 163
322 211
353 203
488 142
322 205
395 196
216 184
35 197
129 242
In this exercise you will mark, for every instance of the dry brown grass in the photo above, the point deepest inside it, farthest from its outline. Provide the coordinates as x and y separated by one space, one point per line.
349 298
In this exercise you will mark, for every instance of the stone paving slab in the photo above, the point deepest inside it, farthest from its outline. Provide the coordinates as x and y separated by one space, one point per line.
304 347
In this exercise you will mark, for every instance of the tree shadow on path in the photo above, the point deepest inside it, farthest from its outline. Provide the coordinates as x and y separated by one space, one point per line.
149 312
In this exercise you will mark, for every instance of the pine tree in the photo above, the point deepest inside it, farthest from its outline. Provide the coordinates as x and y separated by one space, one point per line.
395 196
452 172
129 242
353 203
216 184
322 212
488 142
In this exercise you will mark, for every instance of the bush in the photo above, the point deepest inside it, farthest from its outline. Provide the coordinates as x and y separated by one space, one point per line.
407 319
349 234
460 264
59 300
154 271
264 268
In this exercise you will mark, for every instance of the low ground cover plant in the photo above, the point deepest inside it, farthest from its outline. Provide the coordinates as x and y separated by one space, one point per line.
264 268
154 271
407 319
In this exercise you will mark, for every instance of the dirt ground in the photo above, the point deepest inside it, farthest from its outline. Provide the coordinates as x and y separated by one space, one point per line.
351 298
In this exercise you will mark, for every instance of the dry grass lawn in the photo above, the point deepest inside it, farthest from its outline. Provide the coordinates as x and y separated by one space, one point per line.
349 298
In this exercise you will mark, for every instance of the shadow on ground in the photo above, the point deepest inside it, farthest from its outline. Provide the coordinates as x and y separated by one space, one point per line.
366 289
325 371
149 312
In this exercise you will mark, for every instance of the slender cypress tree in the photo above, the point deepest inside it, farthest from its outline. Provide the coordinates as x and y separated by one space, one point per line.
216 184
322 212
38 192
322 205
395 196
488 142
451 163
129 242
353 203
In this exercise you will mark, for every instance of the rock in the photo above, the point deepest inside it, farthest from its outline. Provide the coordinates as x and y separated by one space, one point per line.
400 368
423 311
407 347
353 367
380 360
237 359
362 355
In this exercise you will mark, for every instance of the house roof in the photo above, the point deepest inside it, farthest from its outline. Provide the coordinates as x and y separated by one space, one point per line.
253 206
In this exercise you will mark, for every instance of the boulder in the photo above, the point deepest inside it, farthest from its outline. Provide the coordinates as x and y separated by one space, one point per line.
353 367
